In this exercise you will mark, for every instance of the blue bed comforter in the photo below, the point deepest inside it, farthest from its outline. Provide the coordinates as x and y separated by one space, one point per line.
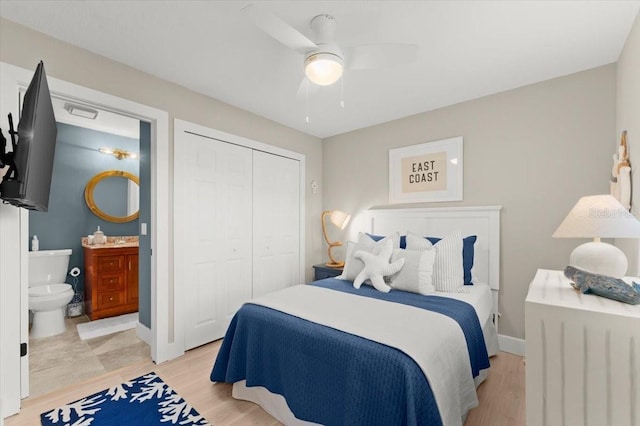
336 378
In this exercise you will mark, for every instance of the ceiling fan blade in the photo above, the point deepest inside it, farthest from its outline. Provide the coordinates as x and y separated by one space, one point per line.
379 55
278 29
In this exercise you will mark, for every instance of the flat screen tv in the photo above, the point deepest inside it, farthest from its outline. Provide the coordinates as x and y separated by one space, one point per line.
28 180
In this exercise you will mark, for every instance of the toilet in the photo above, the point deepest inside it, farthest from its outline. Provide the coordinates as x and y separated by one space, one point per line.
48 293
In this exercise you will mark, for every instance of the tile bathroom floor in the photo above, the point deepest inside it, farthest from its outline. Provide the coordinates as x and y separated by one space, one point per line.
62 360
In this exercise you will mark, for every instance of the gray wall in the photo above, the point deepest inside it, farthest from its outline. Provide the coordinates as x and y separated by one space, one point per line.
76 161
628 118
24 47
534 150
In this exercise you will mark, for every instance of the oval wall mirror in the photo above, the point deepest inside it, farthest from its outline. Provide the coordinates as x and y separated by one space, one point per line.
112 195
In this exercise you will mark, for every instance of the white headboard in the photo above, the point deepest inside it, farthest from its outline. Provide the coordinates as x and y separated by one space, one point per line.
440 221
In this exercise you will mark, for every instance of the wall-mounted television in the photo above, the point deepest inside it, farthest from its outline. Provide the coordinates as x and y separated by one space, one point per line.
27 182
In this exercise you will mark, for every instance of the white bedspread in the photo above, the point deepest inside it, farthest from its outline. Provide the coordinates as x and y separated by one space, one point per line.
478 295
434 341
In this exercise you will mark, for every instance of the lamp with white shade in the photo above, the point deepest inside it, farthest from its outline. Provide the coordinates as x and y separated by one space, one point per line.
339 219
599 216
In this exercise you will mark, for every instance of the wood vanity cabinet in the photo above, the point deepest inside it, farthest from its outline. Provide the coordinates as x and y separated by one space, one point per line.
111 281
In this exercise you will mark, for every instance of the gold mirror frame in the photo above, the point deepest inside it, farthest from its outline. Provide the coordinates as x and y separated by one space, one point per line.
88 195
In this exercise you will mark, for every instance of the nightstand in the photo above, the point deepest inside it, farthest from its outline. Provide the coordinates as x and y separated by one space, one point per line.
322 271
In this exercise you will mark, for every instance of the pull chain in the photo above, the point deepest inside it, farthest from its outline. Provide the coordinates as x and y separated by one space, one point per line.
306 87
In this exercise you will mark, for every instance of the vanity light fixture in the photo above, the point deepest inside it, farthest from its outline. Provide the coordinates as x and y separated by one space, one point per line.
81 111
120 154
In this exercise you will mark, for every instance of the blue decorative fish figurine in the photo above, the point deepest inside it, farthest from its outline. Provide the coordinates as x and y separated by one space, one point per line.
603 285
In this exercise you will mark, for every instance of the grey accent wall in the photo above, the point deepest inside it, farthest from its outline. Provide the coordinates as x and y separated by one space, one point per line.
628 118
144 250
534 150
76 161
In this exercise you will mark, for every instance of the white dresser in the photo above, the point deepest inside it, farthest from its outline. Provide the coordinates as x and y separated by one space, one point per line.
582 356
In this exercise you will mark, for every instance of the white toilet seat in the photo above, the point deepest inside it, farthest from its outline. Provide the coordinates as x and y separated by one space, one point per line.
48 303
48 289
48 293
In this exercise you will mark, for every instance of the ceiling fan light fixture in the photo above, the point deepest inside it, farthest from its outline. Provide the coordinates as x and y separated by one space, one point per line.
323 68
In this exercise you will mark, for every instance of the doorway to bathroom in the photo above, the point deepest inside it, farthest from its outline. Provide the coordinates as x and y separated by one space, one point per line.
90 143
14 241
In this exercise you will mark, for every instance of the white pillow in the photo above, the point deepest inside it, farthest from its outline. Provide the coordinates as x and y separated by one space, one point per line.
448 272
348 252
353 266
416 242
376 267
416 276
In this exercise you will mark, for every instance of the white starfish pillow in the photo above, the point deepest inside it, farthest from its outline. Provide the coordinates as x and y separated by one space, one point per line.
376 267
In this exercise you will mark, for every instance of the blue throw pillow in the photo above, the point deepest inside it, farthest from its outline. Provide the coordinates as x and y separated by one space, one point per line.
403 239
467 252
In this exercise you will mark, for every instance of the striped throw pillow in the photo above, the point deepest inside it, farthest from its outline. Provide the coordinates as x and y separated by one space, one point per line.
416 276
448 273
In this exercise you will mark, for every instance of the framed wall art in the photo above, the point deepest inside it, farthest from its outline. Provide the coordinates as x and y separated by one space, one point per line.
428 172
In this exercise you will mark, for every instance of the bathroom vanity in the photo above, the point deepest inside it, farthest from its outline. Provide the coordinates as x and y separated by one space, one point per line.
111 281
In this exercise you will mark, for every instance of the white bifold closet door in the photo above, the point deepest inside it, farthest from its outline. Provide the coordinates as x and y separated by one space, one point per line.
213 204
276 222
237 230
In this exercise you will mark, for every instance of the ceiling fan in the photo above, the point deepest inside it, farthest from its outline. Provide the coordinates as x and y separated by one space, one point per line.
324 60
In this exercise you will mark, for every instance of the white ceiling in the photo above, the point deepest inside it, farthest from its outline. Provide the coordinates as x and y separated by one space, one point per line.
467 49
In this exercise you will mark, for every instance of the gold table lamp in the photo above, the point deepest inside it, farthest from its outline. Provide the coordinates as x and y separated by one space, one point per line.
339 219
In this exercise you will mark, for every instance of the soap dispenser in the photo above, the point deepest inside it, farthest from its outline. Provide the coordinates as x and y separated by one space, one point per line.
35 244
99 237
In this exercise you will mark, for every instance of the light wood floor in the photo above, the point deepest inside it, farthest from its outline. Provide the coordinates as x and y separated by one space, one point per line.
502 395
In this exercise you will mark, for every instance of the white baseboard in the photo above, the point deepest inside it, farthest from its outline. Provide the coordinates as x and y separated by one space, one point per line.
511 345
144 333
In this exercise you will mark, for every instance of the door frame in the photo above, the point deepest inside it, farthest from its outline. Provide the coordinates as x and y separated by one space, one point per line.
179 128
14 229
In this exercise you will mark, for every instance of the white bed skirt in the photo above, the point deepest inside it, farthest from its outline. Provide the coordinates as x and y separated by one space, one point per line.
490 337
272 403
277 406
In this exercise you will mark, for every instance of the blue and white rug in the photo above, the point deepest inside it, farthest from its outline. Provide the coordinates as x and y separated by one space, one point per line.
143 401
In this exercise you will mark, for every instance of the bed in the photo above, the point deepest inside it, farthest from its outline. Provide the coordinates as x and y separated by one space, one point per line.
328 353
